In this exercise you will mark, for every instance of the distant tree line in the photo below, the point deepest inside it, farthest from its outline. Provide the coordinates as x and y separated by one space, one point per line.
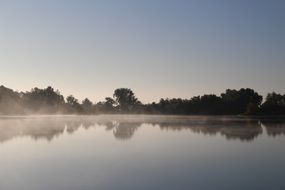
231 102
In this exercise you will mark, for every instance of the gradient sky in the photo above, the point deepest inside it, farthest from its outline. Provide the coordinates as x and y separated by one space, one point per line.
158 48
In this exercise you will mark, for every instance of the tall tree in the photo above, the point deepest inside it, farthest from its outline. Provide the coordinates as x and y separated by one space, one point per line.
126 99
73 105
237 101
43 100
10 101
87 106
274 104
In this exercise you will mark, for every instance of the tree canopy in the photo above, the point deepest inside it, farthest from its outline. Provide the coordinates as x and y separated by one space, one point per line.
125 99
231 102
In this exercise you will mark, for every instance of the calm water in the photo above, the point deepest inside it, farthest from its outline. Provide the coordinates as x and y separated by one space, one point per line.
141 152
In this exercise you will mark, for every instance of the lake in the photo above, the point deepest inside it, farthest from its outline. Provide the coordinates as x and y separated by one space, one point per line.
116 152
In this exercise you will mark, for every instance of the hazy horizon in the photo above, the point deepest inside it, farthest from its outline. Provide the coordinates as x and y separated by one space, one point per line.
157 48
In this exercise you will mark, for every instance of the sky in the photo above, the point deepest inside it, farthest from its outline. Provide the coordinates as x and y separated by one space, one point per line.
158 48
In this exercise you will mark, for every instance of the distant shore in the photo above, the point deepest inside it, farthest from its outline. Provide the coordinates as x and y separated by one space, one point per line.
47 101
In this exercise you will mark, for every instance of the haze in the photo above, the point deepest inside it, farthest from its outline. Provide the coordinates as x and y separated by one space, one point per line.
158 48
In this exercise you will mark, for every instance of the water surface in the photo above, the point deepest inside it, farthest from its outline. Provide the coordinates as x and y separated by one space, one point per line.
141 152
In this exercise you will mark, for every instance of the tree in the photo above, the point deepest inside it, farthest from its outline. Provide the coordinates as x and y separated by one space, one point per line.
71 101
49 101
274 104
87 106
73 105
211 104
43 100
252 109
108 106
237 102
10 101
125 99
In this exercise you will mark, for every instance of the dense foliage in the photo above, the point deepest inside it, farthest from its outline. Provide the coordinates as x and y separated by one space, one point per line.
231 102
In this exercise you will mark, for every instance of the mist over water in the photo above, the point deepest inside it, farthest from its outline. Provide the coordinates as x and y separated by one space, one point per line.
142 95
124 126
141 152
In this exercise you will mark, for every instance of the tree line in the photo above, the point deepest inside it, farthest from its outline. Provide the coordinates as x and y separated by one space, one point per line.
232 102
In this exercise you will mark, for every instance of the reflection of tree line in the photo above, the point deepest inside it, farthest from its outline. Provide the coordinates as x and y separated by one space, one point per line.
274 129
240 129
231 130
123 130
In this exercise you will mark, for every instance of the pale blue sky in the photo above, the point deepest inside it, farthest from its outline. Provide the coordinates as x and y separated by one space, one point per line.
158 48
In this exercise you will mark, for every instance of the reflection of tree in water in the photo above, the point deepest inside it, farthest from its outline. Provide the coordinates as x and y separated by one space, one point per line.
274 128
36 129
72 126
244 130
49 128
39 128
121 130
108 125
124 129
242 133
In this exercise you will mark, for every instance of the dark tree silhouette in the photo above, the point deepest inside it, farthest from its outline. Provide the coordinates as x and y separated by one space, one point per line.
126 99
237 102
232 102
274 104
